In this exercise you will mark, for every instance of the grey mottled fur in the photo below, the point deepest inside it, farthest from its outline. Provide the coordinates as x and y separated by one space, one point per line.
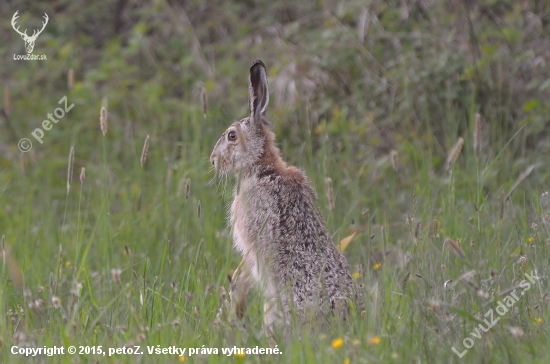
276 223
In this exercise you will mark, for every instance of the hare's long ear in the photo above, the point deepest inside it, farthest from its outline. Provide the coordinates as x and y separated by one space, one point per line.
258 93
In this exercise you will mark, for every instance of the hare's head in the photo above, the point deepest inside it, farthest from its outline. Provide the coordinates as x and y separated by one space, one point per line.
242 144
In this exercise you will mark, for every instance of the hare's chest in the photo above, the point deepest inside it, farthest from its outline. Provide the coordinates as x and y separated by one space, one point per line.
241 240
241 236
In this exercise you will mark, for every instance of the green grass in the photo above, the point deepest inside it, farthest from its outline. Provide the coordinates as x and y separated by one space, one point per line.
131 262
370 94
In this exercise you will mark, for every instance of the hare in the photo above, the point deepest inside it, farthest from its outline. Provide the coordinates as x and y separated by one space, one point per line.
276 224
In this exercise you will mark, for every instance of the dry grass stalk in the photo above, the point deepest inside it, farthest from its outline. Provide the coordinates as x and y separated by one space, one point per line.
168 181
4 251
204 101
405 280
32 155
383 235
13 267
199 209
103 120
144 151
7 100
82 175
417 229
520 179
454 153
328 183
477 133
362 25
70 79
53 284
345 242
70 169
465 278
138 203
455 247
187 188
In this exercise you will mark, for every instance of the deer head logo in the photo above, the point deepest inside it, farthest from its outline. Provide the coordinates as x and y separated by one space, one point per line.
29 41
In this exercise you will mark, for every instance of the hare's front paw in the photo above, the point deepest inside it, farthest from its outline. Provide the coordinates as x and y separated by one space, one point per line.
233 310
240 285
225 308
227 317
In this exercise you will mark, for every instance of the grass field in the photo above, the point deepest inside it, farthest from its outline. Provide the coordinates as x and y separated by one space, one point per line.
138 255
447 211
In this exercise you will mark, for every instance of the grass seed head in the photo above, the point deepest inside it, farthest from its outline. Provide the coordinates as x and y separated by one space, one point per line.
144 151
187 188
520 179
70 79
82 175
417 229
70 169
53 284
454 153
405 280
393 159
455 247
328 184
103 120
477 133
204 101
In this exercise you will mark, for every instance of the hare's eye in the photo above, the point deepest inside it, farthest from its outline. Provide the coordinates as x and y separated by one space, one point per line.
232 136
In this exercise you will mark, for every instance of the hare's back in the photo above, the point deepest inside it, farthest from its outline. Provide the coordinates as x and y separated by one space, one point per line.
298 218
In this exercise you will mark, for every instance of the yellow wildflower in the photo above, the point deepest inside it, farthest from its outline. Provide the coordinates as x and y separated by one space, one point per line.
337 343
377 266
356 275
374 340
182 358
